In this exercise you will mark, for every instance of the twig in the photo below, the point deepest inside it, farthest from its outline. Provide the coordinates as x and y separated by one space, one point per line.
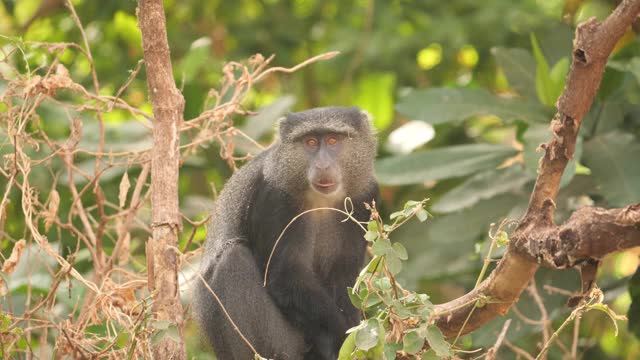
273 250
518 350
226 314
491 354
325 56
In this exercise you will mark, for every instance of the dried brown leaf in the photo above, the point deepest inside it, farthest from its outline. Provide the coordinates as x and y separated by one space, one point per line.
123 254
124 189
3 288
52 209
74 136
11 263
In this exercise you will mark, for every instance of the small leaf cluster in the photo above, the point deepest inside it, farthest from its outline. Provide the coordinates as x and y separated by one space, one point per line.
397 323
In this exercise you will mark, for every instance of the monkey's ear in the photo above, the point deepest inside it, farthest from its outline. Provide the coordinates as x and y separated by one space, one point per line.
367 119
281 127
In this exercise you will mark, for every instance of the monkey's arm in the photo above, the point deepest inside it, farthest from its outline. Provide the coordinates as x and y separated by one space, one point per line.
237 282
229 268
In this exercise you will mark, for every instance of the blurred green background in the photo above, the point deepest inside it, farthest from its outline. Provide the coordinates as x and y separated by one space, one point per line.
461 91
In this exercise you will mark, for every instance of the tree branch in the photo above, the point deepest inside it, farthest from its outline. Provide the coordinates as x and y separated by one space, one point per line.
590 233
168 108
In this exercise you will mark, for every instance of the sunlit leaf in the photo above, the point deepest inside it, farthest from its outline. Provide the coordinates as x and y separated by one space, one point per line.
558 76
441 105
483 185
374 93
348 346
544 83
441 163
367 337
519 67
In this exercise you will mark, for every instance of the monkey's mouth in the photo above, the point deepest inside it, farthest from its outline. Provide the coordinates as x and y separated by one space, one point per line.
325 187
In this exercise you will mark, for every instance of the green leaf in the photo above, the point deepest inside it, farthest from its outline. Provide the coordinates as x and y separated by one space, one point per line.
481 186
502 238
390 350
632 66
519 67
126 26
441 163
367 336
441 105
122 339
544 83
381 247
355 299
401 311
558 76
375 95
382 284
604 116
371 236
613 160
196 60
437 342
397 214
400 251
422 215
412 342
430 355
262 123
348 346
5 322
634 309
370 268
374 263
394 265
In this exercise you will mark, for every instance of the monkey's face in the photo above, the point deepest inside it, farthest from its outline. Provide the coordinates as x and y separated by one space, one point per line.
323 151
323 154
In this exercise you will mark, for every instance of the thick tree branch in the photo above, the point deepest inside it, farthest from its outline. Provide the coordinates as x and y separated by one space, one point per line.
168 108
590 233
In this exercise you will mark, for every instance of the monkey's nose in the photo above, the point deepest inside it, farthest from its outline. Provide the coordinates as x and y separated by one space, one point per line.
322 164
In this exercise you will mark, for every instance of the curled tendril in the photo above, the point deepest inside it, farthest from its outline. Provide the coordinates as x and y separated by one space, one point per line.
348 212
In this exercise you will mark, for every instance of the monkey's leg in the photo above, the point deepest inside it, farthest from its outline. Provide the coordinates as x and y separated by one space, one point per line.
235 278
302 298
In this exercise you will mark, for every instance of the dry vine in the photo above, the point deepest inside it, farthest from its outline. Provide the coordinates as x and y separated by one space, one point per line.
105 225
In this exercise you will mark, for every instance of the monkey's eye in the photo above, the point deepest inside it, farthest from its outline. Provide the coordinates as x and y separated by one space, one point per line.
331 140
311 142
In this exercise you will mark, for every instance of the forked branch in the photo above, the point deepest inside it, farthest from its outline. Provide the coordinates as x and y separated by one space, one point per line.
590 233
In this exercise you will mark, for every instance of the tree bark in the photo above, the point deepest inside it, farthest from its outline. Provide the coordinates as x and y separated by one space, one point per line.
168 108
590 233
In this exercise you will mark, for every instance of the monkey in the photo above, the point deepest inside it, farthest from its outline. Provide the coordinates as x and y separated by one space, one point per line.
321 156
